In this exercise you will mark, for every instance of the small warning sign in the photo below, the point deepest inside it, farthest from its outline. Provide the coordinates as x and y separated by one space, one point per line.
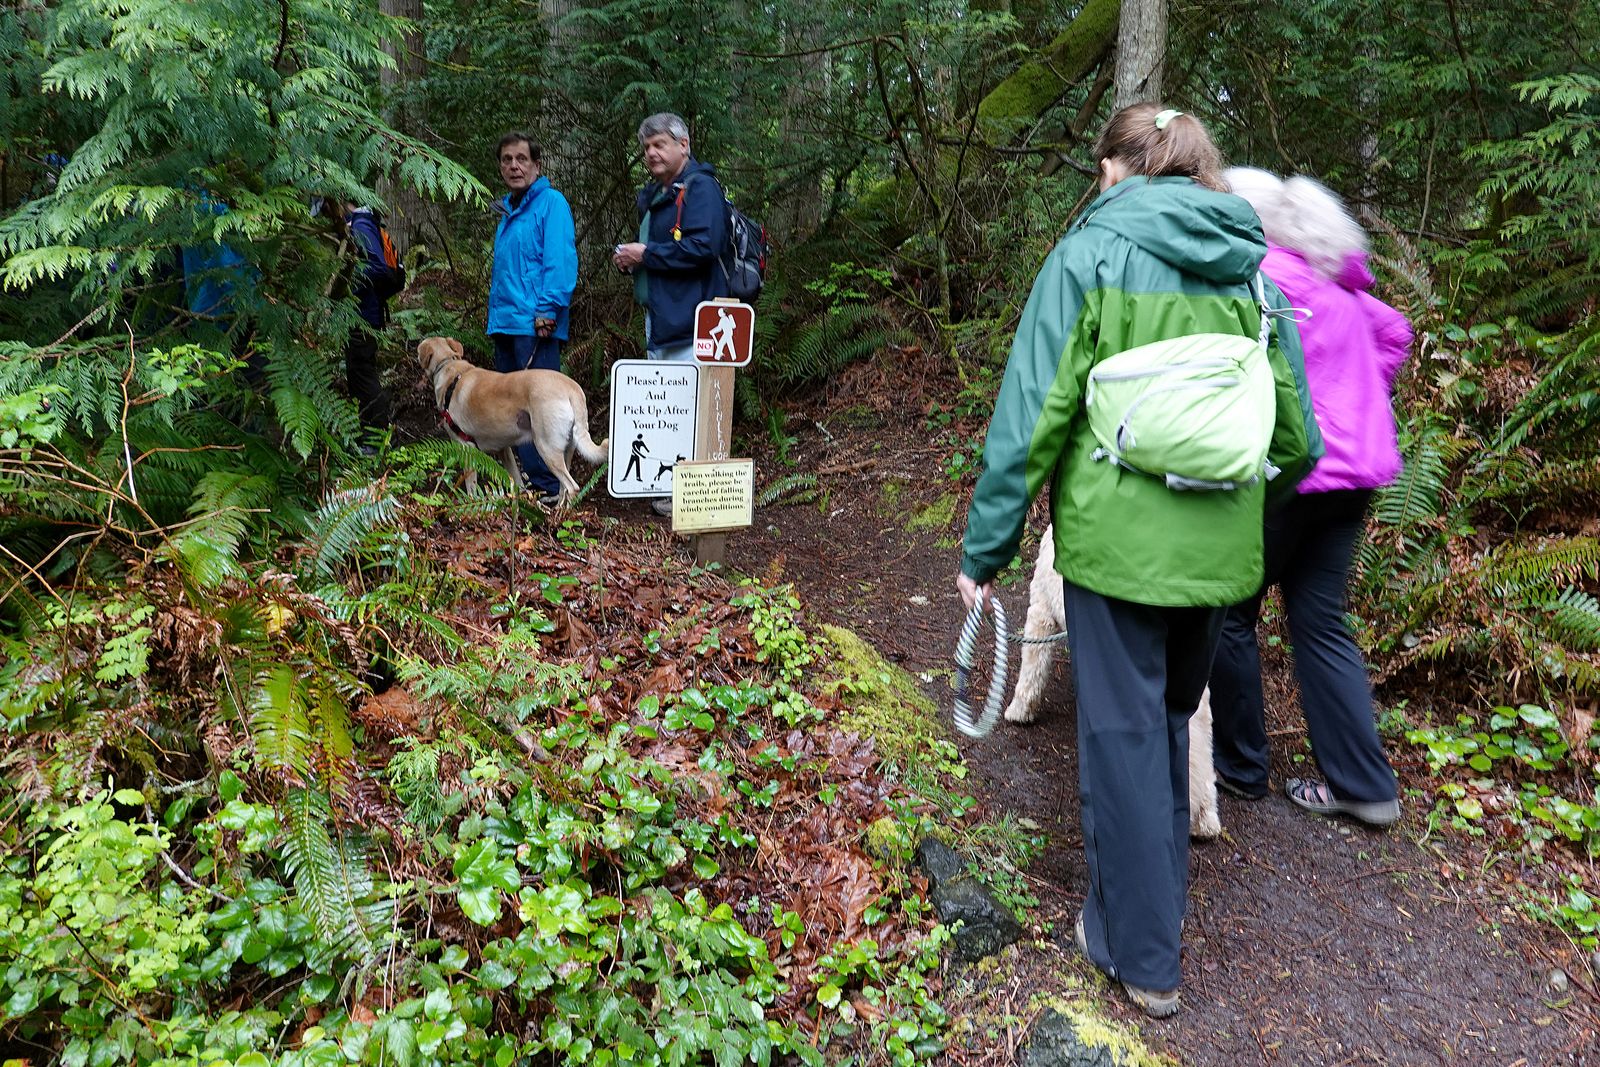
713 495
724 332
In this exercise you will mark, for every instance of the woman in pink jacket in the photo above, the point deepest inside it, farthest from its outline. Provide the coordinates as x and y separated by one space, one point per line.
1354 346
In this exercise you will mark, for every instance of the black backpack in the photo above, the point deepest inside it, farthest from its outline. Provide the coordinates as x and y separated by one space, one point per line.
744 259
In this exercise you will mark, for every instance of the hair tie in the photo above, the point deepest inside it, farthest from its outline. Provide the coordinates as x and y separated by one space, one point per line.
1165 117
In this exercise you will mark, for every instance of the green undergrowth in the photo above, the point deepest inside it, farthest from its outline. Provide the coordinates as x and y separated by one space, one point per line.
1522 783
442 791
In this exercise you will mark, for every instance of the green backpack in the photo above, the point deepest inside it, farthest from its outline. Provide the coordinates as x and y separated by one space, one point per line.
1196 411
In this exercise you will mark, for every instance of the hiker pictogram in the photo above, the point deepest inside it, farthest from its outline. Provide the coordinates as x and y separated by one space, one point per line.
724 333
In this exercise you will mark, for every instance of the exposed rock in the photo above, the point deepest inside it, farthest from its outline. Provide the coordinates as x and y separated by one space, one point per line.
939 862
1054 1042
985 928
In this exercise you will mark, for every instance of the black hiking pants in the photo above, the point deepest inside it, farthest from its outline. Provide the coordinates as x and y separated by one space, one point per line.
1310 543
364 381
1139 672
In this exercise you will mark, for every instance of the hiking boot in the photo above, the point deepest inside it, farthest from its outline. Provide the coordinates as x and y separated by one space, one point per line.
1314 795
1154 1003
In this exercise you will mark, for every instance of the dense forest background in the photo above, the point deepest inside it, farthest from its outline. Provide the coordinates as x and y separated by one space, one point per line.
204 578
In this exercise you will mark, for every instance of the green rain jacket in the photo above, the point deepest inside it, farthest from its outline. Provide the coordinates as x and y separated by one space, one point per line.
1150 259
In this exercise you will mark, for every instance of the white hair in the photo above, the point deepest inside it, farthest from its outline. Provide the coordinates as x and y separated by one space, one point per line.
663 122
1302 215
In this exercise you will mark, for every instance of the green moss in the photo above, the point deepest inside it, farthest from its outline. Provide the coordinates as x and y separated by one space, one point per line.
1127 1050
882 701
1098 1031
889 495
887 841
936 516
1017 102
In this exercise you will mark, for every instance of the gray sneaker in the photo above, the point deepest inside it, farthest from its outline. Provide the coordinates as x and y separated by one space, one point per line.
1314 795
662 505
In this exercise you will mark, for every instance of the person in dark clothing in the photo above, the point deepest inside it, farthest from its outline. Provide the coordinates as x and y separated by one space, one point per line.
683 230
373 283
534 275
1355 345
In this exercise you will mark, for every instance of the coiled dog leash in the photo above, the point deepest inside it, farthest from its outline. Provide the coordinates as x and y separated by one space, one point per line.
965 648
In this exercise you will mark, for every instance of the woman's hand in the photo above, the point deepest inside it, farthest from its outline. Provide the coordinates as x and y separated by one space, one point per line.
973 593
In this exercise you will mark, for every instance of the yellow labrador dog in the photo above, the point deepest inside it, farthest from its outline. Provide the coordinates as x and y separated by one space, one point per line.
1046 616
497 411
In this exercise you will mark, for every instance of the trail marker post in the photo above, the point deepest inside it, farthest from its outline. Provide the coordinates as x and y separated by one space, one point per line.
724 338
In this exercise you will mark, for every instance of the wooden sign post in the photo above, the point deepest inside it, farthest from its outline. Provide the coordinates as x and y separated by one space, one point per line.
724 338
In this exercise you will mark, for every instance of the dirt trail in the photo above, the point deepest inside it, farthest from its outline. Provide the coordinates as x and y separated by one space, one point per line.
1309 940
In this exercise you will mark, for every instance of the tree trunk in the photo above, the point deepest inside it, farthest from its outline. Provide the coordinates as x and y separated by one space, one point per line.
411 219
1141 51
564 158
798 211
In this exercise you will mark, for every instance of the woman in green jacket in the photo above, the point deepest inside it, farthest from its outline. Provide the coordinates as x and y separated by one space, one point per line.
1163 252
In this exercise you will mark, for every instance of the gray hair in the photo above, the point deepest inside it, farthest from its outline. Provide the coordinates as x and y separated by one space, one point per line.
1301 214
663 122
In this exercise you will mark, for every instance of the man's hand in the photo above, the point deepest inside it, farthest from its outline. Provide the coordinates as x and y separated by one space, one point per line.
973 593
544 327
628 256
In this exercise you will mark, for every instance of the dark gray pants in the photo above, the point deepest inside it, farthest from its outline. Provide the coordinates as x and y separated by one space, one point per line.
1309 545
1139 672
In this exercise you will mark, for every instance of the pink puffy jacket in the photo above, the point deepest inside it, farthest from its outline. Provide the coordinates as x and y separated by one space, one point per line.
1354 345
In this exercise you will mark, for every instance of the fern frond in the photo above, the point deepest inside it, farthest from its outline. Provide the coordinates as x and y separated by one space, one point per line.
329 879
346 520
280 722
1520 570
1530 483
831 341
1414 497
797 488
437 454
1575 619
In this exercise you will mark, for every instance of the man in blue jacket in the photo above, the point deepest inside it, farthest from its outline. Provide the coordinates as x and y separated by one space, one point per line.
535 272
683 232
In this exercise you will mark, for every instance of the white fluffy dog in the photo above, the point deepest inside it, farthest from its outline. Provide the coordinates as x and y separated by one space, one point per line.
1047 616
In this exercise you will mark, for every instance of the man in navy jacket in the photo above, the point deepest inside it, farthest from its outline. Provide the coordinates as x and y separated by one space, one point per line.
535 272
683 232
372 286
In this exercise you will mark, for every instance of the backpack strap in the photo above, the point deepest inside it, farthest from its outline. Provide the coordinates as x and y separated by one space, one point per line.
1266 312
677 222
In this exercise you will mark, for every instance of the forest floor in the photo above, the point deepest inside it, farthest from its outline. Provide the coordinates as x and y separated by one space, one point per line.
1308 940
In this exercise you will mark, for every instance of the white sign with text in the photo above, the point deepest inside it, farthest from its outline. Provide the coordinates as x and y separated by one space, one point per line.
652 424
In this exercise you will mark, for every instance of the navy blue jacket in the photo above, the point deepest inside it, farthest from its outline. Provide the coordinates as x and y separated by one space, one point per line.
375 278
535 262
682 271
